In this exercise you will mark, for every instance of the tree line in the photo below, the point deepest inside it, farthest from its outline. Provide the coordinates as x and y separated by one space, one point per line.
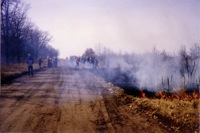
19 36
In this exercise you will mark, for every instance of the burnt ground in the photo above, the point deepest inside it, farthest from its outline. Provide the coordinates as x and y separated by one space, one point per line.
69 100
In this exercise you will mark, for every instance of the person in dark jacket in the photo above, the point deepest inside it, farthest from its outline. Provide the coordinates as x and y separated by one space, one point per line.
30 62
49 62
40 62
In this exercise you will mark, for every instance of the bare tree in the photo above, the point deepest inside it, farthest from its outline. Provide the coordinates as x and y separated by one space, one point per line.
187 66
13 18
89 53
19 36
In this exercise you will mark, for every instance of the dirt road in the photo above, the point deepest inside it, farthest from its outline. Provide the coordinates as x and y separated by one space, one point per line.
67 100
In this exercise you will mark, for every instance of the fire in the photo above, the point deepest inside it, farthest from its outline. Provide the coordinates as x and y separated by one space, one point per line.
161 95
183 95
195 95
142 94
180 95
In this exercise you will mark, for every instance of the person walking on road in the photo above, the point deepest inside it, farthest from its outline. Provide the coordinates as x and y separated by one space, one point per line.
49 62
30 62
77 62
40 62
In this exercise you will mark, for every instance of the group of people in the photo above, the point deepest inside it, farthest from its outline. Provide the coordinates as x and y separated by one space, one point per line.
91 60
52 62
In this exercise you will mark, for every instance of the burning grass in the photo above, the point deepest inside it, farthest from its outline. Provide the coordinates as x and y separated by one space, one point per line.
130 86
178 111
182 94
175 111
175 115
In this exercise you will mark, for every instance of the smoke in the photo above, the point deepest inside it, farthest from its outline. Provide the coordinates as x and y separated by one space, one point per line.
154 70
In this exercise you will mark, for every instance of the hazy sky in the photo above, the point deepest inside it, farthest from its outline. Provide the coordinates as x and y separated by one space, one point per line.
121 25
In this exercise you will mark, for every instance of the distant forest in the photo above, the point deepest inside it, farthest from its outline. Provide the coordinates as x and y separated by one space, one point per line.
19 36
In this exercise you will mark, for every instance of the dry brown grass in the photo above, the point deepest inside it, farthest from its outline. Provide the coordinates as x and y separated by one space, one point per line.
176 115
178 111
15 68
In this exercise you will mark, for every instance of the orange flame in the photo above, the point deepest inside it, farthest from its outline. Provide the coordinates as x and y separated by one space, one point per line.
195 95
161 95
142 94
180 95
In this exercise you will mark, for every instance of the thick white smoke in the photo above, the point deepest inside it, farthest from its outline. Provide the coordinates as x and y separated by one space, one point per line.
156 70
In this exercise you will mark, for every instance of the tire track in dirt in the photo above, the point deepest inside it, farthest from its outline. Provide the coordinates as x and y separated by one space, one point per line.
46 117
102 120
16 106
